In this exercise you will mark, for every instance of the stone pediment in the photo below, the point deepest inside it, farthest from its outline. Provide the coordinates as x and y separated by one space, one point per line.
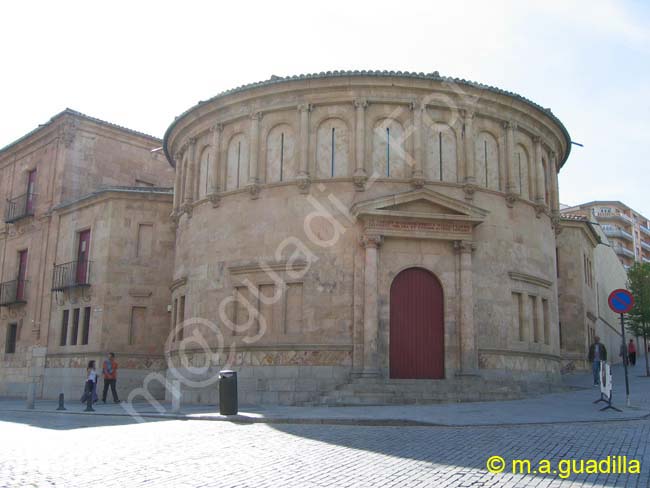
421 213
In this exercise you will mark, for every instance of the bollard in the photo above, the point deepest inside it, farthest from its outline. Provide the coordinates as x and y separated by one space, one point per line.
31 395
176 396
228 404
89 400
61 402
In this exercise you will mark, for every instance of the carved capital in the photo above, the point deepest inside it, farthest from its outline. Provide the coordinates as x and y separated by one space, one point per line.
462 247
187 209
304 107
537 139
371 240
174 217
417 179
469 188
214 198
540 209
511 198
360 103
254 189
510 125
359 179
217 128
257 116
467 114
304 182
192 141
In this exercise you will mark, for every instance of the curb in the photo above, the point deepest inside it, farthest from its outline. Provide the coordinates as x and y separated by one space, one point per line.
239 419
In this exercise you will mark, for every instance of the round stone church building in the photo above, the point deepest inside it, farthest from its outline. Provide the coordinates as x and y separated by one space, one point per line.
365 237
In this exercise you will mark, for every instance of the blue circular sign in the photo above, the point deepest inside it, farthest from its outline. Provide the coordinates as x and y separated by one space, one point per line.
621 301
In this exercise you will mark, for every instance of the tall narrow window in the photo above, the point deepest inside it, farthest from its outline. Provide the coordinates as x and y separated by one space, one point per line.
333 150
75 327
31 186
545 321
181 317
174 312
145 240
85 335
535 317
485 158
440 153
83 252
387 151
518 318
138 320
281 156
238 161
21 275
12 336
64 328
521 186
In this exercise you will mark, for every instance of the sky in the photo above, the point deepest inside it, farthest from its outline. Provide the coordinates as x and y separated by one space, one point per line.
140 63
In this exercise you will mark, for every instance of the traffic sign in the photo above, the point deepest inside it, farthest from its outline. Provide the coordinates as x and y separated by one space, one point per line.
621 301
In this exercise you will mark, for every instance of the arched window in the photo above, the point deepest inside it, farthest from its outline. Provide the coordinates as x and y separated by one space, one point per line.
204 171
237 168
389 158
332 149
440 162
280 160
523 172
487 161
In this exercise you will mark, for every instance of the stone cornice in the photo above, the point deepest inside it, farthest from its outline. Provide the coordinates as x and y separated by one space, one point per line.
99 196
435 76
262 266
530 279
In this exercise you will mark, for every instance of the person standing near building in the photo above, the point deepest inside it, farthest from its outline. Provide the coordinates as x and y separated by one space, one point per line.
631 352
109 370
91 382
597 353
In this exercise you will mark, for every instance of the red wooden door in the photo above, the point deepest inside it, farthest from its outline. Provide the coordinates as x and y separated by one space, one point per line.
417 345
31 184
22 271
82 257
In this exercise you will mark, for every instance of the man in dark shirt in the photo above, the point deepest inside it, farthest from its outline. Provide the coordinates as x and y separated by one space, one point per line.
597 353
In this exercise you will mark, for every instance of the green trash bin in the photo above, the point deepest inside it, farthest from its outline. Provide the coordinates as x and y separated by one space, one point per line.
228 392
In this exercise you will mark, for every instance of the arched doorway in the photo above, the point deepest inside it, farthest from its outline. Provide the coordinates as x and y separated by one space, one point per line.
417 347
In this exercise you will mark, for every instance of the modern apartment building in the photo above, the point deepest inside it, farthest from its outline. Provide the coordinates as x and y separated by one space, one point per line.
626 229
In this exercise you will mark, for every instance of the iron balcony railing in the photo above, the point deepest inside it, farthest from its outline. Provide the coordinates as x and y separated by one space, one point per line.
614 215
645 230
13 292
19 207
71 275
645 246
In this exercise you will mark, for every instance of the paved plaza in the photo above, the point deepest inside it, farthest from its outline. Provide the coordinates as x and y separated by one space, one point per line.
107 449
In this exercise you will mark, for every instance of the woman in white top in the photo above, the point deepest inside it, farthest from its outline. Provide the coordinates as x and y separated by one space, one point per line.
91 380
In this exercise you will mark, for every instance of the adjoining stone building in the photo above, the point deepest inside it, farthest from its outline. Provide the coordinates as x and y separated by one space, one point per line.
373 228
85 263
588 271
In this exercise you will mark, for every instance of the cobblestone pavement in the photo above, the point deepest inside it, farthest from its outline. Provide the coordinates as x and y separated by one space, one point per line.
46 449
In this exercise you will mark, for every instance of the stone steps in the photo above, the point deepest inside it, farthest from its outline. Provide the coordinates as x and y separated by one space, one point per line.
378 391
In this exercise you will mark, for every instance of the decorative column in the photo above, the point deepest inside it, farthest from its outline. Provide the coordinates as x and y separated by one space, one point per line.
466 327
417 175
254 142
303 173
189 176
555 193
511 182
371 245
360 175
214 188
469 169
178 162
540 203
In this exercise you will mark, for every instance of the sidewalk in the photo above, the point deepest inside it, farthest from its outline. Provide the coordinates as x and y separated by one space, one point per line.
569 407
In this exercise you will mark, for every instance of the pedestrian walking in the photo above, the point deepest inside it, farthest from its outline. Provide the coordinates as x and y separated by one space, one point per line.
597 353
631 352
91 381
109 371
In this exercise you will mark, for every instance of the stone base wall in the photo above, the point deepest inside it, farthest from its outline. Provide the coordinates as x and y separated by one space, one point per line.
260 385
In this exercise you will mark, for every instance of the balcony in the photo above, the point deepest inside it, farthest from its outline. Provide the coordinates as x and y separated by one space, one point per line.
13 292
645 260
620 250
616 232
75 274
19 207
645 246
621 217
645 230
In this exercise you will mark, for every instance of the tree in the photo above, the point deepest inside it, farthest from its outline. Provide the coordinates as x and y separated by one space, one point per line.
639 318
